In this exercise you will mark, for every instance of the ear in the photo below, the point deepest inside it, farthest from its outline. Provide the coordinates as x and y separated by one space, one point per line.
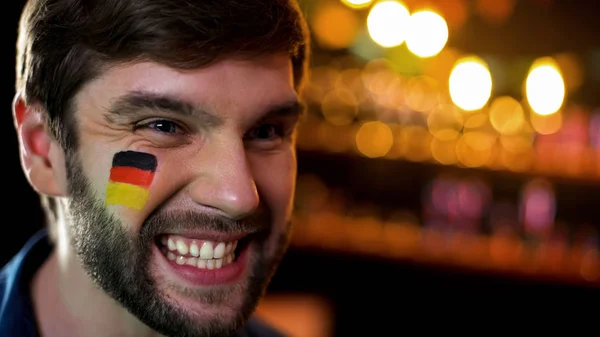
42 157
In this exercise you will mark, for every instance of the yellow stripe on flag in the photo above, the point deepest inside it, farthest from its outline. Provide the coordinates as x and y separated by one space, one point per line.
126 194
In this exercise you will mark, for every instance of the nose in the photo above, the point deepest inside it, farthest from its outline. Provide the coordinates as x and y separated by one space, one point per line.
225 182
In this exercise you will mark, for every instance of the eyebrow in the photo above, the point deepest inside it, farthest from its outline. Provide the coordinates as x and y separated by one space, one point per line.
133 103
293 108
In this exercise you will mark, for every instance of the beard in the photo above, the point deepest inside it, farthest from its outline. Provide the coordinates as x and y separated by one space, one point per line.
119 262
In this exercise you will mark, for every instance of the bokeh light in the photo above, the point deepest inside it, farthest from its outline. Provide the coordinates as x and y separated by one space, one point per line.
445 122
444 151
546 124
506 115
339 107
357 4
334 25
388 23
427 34
470 83
374 139
422 93
544 87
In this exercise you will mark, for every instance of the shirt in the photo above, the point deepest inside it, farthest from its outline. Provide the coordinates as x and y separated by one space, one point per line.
17 318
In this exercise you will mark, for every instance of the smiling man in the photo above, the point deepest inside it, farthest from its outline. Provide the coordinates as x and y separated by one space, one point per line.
160 136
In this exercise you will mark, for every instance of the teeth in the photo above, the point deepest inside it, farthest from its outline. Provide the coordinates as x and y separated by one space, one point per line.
182 248
219 251
210 264
171 244
207 251
197 248
194 249
201 254
171 256
201 263
192 261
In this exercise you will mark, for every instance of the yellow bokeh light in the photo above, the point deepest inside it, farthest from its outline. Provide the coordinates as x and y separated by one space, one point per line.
339 107
374 139
519 162
444 152
476 121
377 75
546 124
356 4
395 151
472 157
445 122
427 33
516 144
350 79
321 81
335 26
479 140
388 23
334 138
545 87
470 83
422 93
415 143
506 115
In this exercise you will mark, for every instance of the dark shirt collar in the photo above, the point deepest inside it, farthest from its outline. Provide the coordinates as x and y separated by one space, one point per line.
16 310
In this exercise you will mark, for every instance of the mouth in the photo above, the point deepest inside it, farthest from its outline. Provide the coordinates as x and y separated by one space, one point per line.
204 261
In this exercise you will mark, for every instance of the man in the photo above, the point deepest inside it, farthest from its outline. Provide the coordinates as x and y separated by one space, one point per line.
160 136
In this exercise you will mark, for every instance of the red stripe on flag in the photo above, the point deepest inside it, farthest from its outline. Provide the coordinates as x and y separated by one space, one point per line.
131 175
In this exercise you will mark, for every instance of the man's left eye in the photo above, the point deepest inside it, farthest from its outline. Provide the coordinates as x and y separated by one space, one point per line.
265 132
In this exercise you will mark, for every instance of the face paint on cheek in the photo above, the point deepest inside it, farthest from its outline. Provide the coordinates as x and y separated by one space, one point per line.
130 178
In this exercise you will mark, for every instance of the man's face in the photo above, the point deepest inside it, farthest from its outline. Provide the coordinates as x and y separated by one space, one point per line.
196 256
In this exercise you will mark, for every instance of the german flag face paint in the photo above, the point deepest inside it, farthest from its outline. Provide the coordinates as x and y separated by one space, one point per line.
130 178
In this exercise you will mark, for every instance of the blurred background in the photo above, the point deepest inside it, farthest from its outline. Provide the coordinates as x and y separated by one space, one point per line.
449 166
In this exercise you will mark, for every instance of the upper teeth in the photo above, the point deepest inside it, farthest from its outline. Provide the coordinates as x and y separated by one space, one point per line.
205 250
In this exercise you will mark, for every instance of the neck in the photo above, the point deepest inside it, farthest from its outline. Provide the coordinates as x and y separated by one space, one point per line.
67 303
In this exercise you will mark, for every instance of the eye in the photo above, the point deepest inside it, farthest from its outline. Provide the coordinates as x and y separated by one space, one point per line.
164 126
163 132
265 132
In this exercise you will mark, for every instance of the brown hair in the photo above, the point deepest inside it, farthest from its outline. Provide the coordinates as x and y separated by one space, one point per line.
64 44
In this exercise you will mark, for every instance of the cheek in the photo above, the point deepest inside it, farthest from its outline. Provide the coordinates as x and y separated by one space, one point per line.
275 179
128 193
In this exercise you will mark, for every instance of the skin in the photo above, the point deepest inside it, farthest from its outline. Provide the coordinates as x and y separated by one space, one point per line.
229 164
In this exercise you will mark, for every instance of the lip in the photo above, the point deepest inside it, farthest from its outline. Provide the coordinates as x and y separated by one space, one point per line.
193 276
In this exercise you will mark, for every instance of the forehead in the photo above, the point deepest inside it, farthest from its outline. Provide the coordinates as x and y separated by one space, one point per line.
223 87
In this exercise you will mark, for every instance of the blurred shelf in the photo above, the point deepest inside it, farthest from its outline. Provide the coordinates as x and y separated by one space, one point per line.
406 242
